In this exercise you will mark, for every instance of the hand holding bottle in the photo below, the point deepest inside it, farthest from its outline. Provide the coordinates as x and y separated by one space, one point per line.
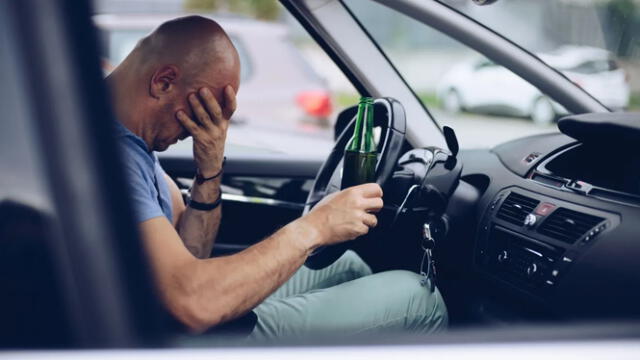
347 214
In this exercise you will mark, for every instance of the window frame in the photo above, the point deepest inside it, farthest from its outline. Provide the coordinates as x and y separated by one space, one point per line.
107 282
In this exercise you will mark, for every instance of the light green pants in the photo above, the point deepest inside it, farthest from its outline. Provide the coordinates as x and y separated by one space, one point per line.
345 299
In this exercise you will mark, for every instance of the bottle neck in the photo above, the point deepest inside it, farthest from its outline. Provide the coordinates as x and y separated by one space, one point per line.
367 131
362 140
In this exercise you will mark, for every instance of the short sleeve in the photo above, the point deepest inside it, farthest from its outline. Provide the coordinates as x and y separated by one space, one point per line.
144 198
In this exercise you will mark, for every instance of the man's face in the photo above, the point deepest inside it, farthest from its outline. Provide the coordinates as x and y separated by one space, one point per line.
169 129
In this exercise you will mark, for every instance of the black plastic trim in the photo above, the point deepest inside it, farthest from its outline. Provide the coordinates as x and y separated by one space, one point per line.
107 281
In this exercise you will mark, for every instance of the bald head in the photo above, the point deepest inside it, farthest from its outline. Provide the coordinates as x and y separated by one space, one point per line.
197 45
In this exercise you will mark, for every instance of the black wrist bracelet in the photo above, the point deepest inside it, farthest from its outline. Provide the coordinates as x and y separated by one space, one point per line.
200 179
205 206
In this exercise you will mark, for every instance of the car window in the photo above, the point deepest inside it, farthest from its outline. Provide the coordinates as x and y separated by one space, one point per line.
290 91
485 103
589 32
594 43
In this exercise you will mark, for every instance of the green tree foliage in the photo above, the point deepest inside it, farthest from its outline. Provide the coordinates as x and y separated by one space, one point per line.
201 5
260 9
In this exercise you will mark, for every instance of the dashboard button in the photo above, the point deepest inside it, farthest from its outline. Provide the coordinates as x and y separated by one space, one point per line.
503 256
532 269
545 209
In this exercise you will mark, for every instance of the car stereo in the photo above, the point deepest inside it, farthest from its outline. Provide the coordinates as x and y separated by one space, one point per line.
528 240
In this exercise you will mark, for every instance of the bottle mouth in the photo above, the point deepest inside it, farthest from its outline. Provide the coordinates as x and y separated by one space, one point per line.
366 100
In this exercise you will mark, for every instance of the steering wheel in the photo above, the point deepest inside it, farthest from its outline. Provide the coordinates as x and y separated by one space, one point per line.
393 125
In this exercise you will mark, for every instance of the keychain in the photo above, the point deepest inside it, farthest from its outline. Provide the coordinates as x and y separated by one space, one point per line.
428 243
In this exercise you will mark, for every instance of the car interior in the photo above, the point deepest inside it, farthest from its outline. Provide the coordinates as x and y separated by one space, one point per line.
538 231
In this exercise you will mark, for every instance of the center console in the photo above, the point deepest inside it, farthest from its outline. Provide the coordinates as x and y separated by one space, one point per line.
557 227
528 241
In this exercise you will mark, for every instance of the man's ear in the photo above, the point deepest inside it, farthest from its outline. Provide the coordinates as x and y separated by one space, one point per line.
163 81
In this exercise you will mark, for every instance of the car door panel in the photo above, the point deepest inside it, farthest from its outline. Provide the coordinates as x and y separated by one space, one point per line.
247 222
261 193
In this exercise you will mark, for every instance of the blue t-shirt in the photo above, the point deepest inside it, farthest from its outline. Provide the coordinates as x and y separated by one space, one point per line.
148 188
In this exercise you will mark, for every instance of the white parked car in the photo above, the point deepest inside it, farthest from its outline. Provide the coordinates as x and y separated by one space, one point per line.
481 85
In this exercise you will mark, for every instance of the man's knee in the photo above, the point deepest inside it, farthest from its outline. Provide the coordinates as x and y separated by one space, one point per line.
352 262
425 310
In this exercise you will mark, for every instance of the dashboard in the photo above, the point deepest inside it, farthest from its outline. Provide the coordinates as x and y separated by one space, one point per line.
557 225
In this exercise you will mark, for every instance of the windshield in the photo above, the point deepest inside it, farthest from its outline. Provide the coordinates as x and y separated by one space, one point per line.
593 43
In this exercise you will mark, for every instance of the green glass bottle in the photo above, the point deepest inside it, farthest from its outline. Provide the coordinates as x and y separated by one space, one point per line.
360 155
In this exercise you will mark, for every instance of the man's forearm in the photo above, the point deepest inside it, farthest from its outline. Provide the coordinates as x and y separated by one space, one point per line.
198 229
226 287
203 293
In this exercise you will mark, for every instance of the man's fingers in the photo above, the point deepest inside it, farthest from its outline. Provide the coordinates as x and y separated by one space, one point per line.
212 105
363 230
370 220
203 117
370 190
373 204
188 124
230 103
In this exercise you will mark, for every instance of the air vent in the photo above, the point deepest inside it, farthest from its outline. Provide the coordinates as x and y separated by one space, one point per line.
568 225
516 207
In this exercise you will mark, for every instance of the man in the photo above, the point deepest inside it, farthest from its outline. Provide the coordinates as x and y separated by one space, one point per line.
181 81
